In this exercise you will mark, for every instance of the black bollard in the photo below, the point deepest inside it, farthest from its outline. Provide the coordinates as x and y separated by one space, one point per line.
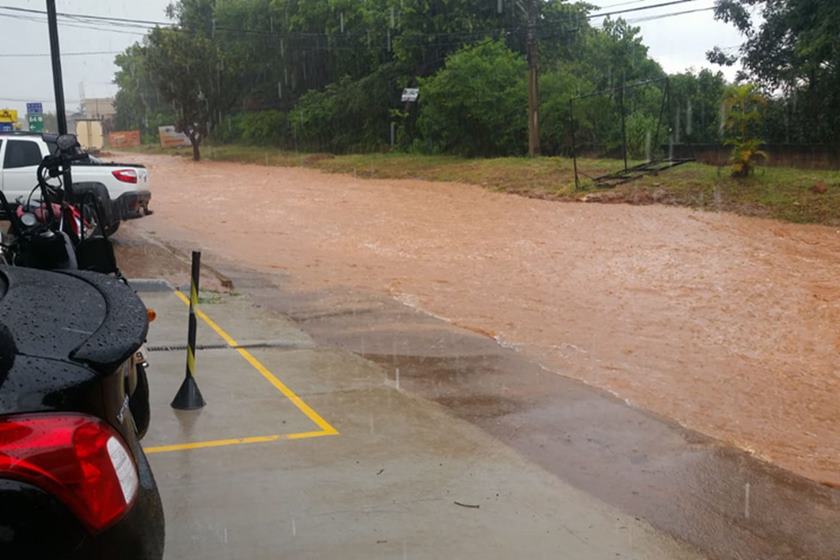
188 396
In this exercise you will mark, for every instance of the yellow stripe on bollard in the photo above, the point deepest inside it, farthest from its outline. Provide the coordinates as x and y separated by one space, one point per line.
191 361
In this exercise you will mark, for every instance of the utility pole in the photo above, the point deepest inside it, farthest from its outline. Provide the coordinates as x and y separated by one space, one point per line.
55 57
58 86
533 81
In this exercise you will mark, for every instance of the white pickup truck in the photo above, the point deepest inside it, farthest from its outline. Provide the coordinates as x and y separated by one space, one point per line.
122 188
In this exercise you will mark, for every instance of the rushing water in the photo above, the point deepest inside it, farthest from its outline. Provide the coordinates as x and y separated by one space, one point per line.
729 325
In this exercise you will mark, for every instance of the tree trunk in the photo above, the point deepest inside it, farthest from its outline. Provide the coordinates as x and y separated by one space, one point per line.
194 141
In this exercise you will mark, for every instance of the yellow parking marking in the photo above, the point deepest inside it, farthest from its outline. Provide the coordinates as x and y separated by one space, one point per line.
233 441
326 429
211 443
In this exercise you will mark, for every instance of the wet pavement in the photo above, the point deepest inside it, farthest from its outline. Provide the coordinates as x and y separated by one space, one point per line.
343 463
723 501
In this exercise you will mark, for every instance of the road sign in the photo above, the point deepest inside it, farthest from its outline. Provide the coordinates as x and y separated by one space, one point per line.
36 107
410 94
6 127
8 116
36 122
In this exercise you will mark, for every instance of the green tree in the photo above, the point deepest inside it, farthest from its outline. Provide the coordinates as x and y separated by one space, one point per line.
138 103
183 68
791 46
335 68
557 87
475 105
349 115
697 99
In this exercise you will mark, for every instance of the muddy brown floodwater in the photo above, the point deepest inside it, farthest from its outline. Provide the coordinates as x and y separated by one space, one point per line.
728 325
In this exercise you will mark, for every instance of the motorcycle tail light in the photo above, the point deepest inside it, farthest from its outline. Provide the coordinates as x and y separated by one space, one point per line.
79 459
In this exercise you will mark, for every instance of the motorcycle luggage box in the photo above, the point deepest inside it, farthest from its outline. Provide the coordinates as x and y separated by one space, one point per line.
72 316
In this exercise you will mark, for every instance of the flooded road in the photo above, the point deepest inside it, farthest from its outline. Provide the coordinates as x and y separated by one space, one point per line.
728 325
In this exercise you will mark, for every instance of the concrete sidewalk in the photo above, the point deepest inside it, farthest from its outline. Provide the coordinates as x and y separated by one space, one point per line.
309 452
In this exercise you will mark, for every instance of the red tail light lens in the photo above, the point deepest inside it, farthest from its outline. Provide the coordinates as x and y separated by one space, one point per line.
77 458
125 175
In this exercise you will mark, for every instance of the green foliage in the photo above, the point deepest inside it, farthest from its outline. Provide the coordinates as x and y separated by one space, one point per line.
476 104
697 98
264 127
139 105
745 156
327 75
181 66
743 105
640 131
557 87
347 115
791 46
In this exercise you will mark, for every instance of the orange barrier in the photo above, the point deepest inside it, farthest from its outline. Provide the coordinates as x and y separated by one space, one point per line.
124 138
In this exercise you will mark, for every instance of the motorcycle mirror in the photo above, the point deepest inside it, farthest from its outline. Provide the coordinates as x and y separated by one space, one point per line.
66 142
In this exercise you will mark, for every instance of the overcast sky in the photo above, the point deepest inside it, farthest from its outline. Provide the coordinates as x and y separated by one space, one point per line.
677 43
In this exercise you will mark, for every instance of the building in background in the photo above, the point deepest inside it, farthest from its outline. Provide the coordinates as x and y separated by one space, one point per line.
99 108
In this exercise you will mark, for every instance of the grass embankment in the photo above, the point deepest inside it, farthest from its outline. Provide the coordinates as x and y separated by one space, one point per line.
796 195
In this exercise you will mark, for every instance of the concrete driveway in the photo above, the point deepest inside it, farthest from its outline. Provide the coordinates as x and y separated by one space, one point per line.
304 451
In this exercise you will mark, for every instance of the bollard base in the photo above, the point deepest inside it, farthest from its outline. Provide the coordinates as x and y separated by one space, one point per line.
188 396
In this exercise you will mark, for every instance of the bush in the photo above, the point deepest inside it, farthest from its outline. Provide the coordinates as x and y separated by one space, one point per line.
476 105
265 128
229 131
347 115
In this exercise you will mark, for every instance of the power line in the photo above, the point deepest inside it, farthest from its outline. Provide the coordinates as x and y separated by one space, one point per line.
33 55
87 16
85 21
32 100
88 20
74 25
621 4
671 14
639 9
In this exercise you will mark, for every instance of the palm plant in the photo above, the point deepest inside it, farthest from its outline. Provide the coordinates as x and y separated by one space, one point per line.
743 106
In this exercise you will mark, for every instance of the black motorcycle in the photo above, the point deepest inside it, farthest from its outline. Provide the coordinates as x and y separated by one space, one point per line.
57 229
74 481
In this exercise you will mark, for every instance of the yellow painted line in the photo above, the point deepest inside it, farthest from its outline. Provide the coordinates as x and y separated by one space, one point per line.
307 435
231 441
307 410
211 443
288 393
212 324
